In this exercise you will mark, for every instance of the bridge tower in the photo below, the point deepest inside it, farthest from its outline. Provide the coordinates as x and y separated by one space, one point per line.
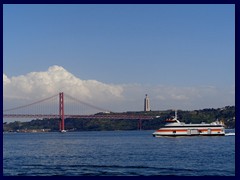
61 112
140 124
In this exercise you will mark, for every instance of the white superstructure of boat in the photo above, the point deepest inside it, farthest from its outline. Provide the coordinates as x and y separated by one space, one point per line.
176 128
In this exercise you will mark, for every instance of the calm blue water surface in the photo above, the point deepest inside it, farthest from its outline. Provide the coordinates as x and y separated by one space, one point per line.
116 153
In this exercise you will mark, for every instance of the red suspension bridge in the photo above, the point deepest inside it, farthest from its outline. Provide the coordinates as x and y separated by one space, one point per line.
46 108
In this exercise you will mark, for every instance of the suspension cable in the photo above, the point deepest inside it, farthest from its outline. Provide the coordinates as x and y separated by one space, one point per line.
19 107
87 104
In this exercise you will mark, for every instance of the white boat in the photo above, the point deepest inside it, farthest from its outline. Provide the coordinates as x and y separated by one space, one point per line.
174 127
63 131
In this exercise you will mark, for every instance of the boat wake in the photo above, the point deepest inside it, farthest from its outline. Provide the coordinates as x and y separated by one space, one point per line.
230 134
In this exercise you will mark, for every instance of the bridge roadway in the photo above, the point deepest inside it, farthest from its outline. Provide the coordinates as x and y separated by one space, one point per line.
105 116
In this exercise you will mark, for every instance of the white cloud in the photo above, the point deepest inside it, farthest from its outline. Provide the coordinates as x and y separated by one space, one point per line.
118 98
56 79
173 97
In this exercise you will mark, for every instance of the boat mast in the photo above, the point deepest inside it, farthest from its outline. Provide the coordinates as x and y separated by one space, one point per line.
175 115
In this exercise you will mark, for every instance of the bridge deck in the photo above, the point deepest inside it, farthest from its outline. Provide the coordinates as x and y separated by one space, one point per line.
132 117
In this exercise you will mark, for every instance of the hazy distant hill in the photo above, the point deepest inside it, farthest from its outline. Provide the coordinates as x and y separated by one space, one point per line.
227 114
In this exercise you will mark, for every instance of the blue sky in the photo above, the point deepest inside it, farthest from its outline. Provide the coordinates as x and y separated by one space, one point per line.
142 48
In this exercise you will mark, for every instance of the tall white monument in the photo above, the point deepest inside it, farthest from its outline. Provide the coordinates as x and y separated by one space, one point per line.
146 103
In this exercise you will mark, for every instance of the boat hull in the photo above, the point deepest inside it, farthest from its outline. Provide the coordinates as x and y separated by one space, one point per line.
184 135
210 131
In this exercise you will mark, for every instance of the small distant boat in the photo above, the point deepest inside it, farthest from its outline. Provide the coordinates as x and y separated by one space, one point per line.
63 131
230 134
174 127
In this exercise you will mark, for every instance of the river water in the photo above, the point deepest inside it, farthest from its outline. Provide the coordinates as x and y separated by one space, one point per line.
117 153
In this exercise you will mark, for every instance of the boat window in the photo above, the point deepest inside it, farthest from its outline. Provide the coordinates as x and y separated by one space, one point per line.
174 131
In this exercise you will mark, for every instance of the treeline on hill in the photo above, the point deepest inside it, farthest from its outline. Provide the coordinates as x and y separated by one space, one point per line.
226 114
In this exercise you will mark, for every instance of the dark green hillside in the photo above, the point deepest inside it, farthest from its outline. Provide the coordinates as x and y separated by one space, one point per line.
226 114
